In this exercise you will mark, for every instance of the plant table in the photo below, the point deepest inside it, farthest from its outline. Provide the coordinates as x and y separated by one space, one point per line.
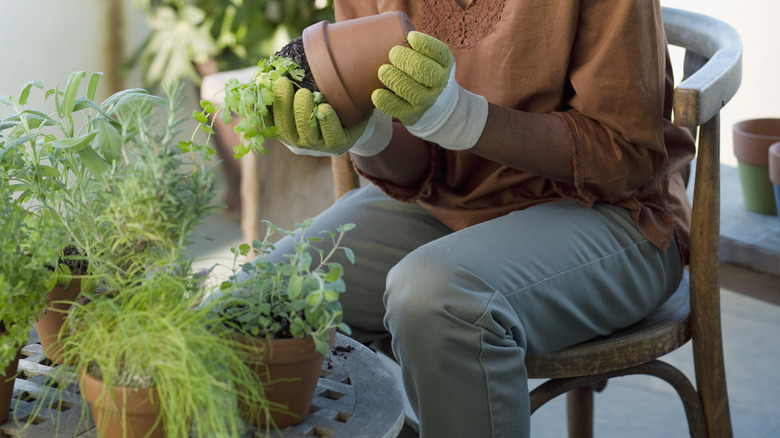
356 397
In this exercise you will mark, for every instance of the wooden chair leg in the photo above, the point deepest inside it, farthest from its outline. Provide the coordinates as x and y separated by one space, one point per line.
579 409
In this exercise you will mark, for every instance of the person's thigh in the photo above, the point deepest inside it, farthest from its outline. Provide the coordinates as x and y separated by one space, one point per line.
468 307
568 272
385 231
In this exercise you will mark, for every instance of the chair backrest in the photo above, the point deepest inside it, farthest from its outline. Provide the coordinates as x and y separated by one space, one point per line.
713 72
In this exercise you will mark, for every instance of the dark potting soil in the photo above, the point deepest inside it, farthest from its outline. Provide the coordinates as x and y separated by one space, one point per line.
294 50
77 265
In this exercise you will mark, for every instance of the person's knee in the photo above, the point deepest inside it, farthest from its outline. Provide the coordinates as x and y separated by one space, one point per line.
413 295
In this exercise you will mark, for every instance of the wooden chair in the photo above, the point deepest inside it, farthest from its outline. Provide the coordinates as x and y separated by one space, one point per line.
711 78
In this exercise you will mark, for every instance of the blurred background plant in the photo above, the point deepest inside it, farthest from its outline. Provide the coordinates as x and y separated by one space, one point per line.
190 38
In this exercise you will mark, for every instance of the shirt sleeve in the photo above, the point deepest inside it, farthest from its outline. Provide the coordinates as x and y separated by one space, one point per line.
614 117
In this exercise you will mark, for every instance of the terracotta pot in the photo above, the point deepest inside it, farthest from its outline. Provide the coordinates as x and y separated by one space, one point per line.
344 59
50 323
125 412
290 369
752 139
7 385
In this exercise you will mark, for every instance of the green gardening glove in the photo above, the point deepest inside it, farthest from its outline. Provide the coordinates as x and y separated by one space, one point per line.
320 134
423 94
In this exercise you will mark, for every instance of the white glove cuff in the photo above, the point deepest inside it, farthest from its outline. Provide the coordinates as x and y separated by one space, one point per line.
376 136
436 116
456 120
309 152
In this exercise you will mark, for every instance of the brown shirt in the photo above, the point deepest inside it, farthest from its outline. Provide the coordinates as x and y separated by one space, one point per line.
601 66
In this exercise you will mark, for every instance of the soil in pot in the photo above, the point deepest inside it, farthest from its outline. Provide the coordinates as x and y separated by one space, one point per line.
290 369
294 50
125 412
342 59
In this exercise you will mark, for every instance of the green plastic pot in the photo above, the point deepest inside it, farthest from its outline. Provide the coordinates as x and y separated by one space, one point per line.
752 139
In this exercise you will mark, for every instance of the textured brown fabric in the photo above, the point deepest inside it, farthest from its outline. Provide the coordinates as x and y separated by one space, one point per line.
601 66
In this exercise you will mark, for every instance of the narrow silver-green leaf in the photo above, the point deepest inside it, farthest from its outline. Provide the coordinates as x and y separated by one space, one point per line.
26 91
93 84
75 144
71 90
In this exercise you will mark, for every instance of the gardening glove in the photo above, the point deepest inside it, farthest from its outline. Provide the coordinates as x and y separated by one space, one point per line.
322 135
422 93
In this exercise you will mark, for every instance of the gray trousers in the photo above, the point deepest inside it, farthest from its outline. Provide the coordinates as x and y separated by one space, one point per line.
464 308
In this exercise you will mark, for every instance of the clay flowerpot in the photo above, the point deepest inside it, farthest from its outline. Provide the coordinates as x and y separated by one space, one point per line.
752 139
774 172
124 412
290 369
50 323
7 378
344 59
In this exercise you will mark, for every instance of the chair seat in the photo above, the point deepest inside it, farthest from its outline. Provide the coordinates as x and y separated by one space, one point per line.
663 331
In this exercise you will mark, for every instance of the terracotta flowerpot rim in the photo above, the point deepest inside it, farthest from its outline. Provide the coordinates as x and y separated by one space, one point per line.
286 348
752 139
344 58
136 397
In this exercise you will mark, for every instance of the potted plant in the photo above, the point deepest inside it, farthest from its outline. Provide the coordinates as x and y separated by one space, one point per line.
337 62
146 336
151 349
26 253
287 311
53 154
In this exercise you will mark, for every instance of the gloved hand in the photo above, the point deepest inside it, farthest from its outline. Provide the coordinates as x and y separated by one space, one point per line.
322 135
423 94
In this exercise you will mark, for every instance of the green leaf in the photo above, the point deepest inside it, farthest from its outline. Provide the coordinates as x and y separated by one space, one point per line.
36 118
48 171
200 117
331 296
109 139
350 255
92 85
314 299
26 91
71 90
16 142
76 144
295 287
94 162
334 274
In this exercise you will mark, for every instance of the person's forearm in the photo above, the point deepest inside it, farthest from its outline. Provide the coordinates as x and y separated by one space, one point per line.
534 143
404 162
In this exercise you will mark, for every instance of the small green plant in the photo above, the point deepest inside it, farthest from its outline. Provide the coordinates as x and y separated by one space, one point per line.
147 335
252 102
27 254
151 200
293 298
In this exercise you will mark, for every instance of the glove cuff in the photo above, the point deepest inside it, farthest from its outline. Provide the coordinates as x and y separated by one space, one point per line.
375 137
456 120
310 152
